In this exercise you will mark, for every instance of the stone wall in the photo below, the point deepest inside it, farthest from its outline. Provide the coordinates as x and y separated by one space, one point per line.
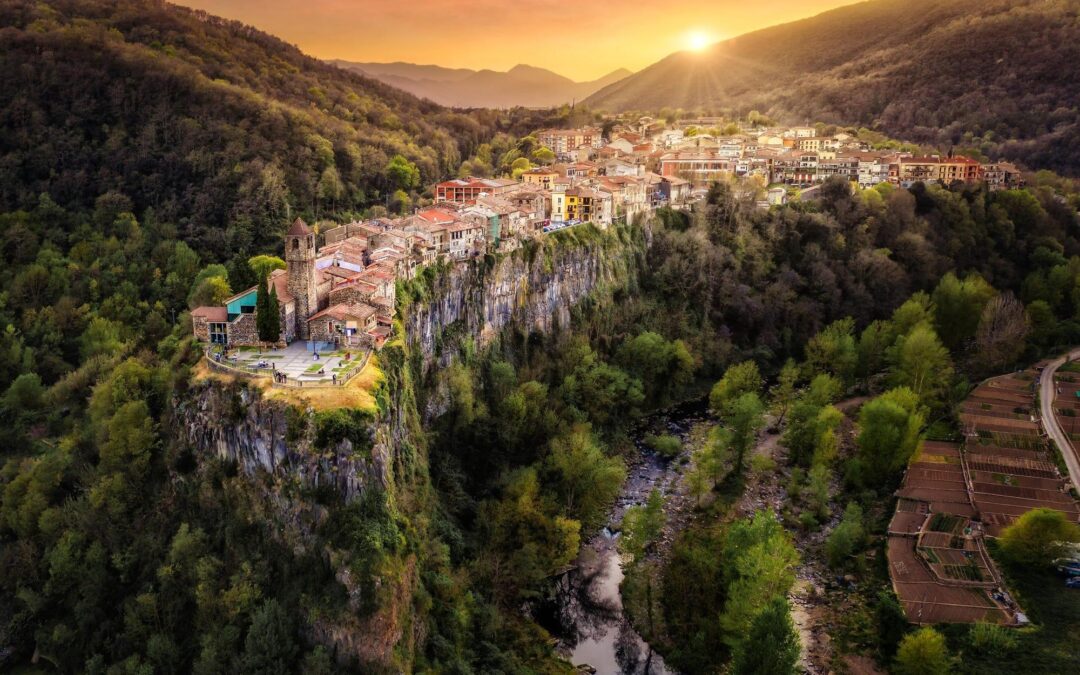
201 327
243 331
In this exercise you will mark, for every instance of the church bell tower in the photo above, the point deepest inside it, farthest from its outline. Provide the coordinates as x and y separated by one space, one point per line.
300 261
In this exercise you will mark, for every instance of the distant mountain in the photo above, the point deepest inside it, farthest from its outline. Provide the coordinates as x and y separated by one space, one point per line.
460 87
999 75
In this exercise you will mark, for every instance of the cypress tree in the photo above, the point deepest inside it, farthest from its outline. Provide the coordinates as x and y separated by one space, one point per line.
262 310
273 317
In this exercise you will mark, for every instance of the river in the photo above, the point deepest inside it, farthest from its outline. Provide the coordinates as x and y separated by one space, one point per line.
586 613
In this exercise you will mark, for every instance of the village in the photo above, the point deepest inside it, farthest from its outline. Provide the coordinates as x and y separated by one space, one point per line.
336 295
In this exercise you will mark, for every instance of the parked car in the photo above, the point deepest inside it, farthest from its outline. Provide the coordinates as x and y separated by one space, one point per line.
1070 568
1073 582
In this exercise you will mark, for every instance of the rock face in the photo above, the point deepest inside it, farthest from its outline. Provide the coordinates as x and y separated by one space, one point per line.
236 423
536 290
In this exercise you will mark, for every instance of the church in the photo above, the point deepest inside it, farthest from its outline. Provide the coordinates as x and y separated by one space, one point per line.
324 297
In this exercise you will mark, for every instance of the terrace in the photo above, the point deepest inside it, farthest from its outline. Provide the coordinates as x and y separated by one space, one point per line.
953 496
293 366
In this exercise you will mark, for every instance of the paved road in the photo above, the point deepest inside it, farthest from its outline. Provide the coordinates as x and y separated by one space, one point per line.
1050 423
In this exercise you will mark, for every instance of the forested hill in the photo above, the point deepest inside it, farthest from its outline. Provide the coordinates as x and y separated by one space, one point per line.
220 128
997 75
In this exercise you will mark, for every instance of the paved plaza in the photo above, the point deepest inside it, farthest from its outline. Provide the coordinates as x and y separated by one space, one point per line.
297 362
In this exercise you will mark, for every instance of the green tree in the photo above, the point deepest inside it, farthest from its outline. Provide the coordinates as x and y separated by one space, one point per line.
270 646
782 395
402 174
921 363
1038 537
210 292
833 351
923 653
101 338
741 378
759 560
772 645
641 525
958 306
588 481
745 418
889 432
263 265
273 308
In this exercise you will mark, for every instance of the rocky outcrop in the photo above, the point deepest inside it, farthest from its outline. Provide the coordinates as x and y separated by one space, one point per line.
274 441
535 287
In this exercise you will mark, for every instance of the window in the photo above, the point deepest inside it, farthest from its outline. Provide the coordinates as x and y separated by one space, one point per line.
296 244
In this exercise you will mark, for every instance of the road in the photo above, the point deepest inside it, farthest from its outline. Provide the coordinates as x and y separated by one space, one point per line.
1050 423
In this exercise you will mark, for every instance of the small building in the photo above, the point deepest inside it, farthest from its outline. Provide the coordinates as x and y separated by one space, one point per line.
345 324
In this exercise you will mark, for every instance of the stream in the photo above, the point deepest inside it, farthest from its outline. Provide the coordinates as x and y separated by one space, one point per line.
586 613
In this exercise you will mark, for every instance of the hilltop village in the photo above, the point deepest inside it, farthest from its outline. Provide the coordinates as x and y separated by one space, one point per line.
342 292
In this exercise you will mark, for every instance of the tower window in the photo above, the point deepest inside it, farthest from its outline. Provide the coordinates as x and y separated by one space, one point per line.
295 244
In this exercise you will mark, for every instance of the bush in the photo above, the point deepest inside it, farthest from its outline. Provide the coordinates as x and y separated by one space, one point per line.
922 653
991 638
762 464
334 426
848 537
665 445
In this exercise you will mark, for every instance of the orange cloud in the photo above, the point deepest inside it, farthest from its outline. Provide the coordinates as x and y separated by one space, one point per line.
582 39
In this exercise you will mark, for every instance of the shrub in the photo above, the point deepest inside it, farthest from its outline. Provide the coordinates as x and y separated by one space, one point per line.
664 445
922 653
334 426
991 638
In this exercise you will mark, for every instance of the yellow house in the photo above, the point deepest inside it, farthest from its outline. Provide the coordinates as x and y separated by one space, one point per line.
540 177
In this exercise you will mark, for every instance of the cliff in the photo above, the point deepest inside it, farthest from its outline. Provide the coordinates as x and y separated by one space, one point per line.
533 289
304 466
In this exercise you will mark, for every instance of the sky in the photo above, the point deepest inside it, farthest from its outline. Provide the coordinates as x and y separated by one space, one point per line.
581 39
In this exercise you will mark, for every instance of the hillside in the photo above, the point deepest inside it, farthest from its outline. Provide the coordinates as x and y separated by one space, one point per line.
218 127
999 75
522 85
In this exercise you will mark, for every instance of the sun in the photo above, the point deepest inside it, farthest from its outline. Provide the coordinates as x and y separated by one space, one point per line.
698 40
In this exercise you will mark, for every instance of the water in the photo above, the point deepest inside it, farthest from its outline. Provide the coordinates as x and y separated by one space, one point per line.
587 612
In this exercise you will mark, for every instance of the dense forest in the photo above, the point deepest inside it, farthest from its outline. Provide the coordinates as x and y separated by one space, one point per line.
996 78
137 175
216 127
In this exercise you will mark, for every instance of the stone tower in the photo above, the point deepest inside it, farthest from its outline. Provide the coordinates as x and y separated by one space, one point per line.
300 259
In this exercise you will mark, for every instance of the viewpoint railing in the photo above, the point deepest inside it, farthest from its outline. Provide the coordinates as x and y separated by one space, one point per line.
226 365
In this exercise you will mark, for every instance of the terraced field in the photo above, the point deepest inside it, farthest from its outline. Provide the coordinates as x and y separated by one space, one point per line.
954 495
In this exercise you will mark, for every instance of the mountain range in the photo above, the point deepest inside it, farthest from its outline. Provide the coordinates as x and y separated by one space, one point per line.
999 76
522 85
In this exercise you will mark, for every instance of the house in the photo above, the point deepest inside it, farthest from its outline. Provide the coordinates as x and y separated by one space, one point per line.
345 324
563 141
701 166
674 189
466 190
1002 176
543 177
622 145
466 238
581 205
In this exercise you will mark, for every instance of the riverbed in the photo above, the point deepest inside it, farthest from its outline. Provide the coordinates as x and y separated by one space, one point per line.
586 613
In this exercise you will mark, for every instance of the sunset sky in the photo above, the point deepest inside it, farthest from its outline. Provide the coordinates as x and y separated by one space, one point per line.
582 39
